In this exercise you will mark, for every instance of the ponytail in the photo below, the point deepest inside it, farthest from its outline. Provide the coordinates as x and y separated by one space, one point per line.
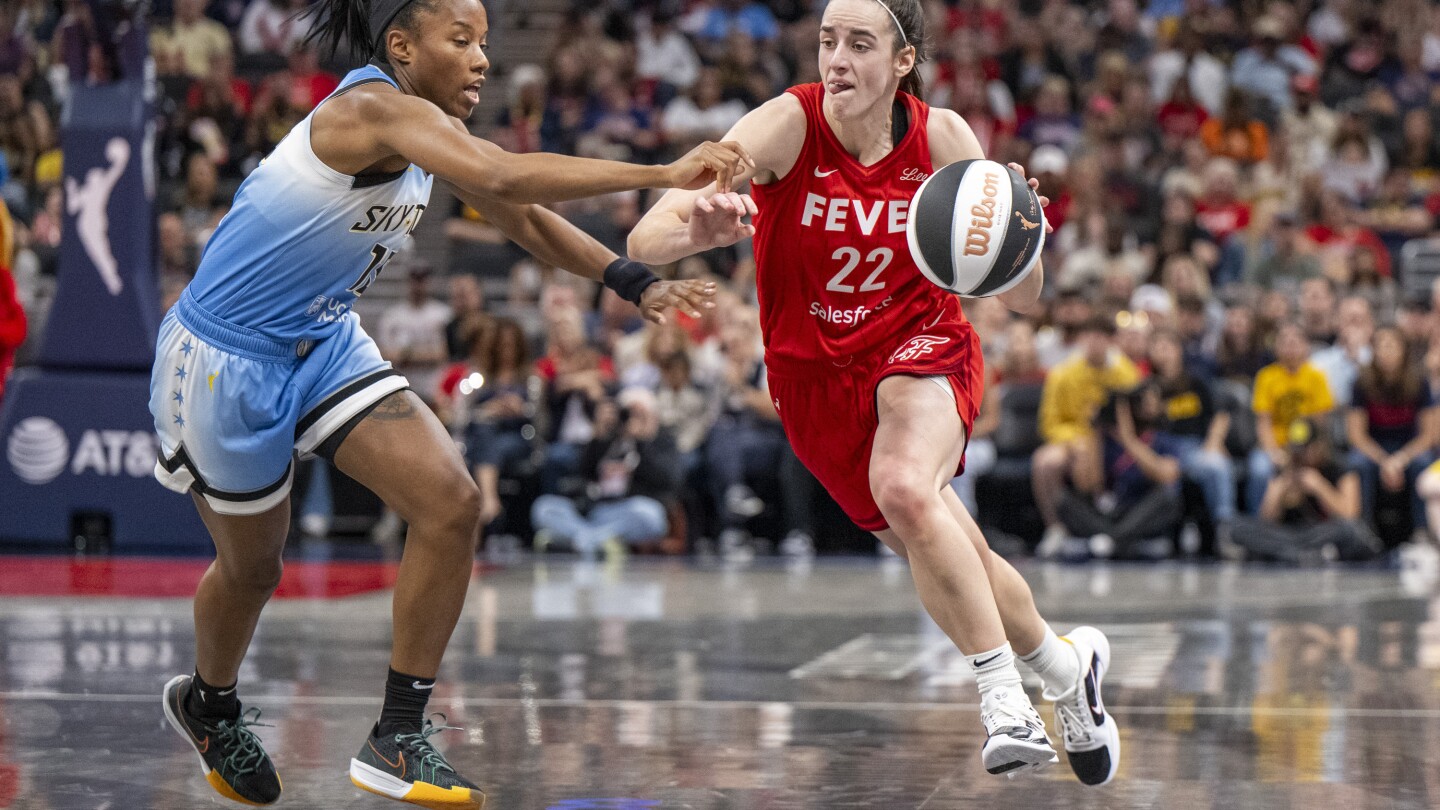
334 22
909 15
362 24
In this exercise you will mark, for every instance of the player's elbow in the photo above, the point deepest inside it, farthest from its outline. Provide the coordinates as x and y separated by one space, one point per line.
638 245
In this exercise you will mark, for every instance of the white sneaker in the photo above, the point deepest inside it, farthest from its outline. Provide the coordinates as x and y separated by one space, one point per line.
1092 742
1017 734
1052 542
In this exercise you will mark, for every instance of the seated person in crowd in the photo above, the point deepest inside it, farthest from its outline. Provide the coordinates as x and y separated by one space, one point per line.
497 411
1074 391
1291 388
1193 426
747 443
1311 509
576 378
1137 495
1391 422
632 471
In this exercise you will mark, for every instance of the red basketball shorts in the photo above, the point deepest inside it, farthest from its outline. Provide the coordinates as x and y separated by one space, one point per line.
830 416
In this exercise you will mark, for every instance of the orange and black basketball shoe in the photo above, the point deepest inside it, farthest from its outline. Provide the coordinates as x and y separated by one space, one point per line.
409 768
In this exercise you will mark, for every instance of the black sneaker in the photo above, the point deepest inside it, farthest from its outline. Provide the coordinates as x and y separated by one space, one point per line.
407 767
235 764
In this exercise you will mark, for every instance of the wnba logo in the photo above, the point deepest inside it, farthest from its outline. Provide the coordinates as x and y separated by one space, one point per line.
917 347
982 218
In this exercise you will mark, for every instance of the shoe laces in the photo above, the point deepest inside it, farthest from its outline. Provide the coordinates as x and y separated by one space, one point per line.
246 754
1074 712
1002 707
420 745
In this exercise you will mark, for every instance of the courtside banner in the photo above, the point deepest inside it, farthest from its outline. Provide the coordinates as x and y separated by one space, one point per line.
106 309
78 443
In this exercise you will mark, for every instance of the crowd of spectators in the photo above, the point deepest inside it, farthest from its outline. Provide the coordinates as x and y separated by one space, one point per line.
1237 351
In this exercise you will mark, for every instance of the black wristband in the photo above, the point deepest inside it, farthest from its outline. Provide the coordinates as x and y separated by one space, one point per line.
629 279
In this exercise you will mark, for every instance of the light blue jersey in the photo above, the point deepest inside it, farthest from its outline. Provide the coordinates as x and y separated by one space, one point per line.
262 356
302 240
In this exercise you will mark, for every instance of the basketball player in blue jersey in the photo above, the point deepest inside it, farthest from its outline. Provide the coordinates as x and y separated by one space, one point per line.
262 356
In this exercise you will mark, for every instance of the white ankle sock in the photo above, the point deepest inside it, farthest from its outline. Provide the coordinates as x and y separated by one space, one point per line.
1056 663
994 668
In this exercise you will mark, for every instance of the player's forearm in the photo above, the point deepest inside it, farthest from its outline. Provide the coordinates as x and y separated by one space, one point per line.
547 236
1023 296
546 178
661 238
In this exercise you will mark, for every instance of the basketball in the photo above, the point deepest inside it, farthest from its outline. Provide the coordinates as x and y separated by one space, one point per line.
976 228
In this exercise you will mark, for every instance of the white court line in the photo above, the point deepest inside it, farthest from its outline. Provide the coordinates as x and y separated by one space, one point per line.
814 705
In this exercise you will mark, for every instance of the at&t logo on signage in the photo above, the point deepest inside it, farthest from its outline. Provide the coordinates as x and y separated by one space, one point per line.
39 451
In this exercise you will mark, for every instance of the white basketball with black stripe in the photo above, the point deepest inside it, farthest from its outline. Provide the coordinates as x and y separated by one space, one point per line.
976 228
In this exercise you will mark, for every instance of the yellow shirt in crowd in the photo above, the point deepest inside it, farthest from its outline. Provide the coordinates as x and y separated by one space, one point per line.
1287 397
1075 390
197 44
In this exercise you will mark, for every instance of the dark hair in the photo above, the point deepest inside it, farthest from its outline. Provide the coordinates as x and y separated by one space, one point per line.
348 22
1099 322
911 16
1380 386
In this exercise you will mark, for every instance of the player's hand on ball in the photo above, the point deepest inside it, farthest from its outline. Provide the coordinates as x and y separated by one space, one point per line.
1035 184
689 296
719 221
717 163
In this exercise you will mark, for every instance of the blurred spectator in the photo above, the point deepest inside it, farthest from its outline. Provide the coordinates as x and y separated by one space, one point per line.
1391 422
199 203
1054 122
1337 233
1074 391
1309 126
288 96
724 17
1241 352
663 54
684 407
273 27
178 254
1317 315
1288 263
1289 389
467 315
576 377
412 334
1342 361
517 127
498 411
632 471
640 356
1268 65
701 114
617 126
1181 116
1071 311
1396 214
1356 163
1187 62
192 38
1138 496
1194 427
1310 511
1419 149
1235 133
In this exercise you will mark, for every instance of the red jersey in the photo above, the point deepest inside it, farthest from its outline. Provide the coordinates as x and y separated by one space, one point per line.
833 269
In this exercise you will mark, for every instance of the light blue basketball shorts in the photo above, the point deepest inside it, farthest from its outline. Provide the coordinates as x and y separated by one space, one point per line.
231 406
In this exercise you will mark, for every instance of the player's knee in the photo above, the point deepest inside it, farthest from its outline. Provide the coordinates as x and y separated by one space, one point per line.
452 513
257 578
1049 458
903 497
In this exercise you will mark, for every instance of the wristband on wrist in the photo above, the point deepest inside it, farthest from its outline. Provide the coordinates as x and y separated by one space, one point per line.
629 279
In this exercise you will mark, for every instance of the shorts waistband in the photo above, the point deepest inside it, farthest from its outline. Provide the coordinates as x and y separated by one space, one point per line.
229 336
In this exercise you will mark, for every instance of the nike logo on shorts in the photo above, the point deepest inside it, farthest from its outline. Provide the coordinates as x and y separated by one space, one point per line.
819 173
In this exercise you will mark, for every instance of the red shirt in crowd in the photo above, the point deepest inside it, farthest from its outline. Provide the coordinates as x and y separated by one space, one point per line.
1222 219
1181 120
1349 238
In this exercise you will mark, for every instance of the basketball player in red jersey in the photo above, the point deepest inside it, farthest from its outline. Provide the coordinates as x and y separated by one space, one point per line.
875 372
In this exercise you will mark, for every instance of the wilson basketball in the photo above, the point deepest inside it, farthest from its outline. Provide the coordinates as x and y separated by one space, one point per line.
976 228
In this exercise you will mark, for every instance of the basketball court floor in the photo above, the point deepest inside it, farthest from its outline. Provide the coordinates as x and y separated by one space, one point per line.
668 684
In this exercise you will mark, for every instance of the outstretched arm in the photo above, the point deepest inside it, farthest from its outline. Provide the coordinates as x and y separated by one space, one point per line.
373 123
686 222
554 240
